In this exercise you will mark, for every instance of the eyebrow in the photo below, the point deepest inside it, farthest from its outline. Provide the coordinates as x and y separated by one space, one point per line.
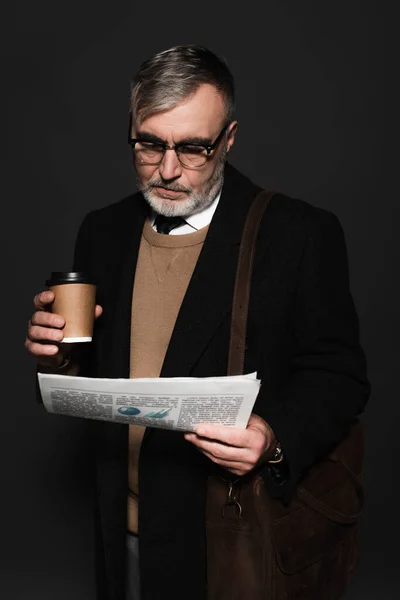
146 136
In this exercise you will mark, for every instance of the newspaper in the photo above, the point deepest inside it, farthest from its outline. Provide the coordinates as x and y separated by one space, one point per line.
179 403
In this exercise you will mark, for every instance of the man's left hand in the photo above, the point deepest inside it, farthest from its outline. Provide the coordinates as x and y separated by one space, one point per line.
237 450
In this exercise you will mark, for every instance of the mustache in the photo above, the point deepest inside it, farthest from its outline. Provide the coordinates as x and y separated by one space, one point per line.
172 187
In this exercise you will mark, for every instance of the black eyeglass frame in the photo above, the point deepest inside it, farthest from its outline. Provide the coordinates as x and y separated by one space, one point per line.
133 141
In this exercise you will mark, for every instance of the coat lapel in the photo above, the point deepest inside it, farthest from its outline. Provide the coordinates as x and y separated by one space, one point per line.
209 295
130 233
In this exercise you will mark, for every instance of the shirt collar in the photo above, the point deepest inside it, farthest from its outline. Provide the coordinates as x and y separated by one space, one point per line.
200 219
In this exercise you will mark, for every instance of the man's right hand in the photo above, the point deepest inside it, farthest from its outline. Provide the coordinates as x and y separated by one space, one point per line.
45 333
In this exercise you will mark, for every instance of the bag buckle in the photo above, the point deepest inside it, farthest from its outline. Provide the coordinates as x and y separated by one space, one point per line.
232 499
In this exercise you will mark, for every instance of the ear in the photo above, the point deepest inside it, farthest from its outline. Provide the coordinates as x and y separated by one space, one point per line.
231 135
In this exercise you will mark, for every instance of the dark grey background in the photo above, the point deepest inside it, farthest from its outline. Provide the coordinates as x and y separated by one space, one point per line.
316 117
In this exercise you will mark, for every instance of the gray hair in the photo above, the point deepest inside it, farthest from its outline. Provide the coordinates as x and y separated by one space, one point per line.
173 75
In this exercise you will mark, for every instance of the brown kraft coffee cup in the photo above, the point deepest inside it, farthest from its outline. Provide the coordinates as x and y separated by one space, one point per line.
75 300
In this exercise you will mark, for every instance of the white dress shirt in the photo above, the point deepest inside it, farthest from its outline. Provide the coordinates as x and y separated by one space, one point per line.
194 222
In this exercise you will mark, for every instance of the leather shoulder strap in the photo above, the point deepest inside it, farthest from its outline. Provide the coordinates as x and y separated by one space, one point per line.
241 294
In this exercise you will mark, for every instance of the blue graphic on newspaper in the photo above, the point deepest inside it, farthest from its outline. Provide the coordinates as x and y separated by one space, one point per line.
133 411
129 410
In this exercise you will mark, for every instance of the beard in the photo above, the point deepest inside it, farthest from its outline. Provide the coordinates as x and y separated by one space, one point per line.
194 202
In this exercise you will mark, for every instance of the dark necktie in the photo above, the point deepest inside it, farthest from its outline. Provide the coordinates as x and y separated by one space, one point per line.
166 224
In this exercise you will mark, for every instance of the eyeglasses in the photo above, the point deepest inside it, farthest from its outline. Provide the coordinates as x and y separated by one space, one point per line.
190 155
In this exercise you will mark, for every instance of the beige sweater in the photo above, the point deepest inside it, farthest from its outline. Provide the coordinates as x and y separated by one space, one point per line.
164 268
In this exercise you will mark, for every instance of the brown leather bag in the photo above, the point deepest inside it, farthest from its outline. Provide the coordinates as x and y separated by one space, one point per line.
258 548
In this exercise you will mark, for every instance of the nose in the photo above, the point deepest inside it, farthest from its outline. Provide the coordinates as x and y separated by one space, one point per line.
170 167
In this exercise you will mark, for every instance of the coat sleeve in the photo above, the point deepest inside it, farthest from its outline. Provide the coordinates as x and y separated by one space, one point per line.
327 387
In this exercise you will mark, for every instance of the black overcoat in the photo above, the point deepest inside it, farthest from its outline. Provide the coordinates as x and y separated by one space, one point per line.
302 339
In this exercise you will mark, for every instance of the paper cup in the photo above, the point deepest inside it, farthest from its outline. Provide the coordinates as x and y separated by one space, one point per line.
75 300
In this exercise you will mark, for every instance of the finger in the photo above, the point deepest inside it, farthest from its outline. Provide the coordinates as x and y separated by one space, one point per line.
47 319
43 300
228 435
44 334
221 451
38 350
238 468
98 311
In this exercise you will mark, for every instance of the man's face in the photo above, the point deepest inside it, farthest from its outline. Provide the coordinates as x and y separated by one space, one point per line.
170 188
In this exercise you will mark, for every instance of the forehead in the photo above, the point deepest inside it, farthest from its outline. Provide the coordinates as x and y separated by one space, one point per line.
201 114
